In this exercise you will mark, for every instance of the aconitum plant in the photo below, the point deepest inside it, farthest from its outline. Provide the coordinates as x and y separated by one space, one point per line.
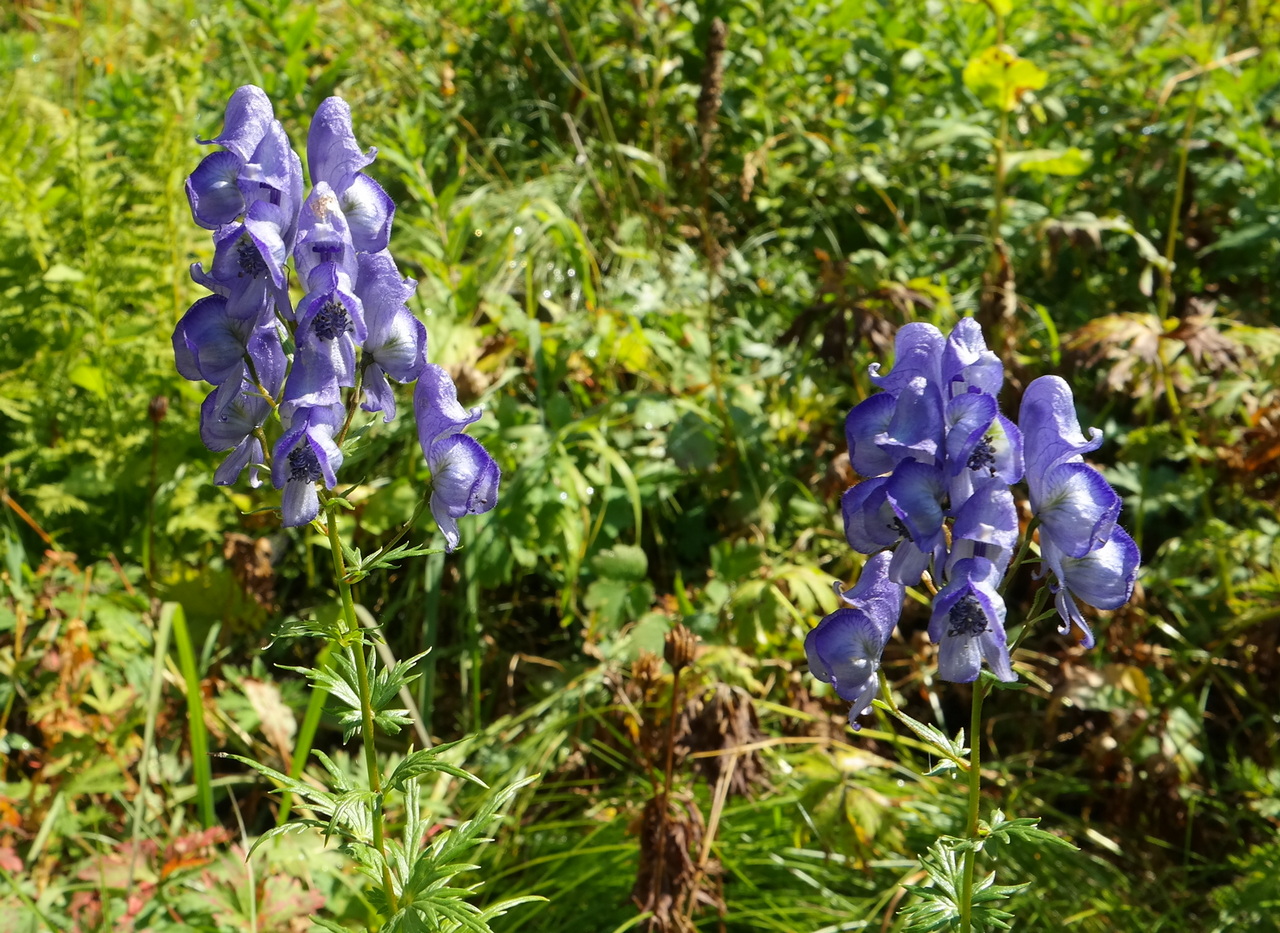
936 509
293 356
350 332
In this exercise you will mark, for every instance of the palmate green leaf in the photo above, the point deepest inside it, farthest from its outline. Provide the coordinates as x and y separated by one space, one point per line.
329 630
359 568
1021 828
426 761
329 925
285 829
353 810
623 562
938 904
320 800
443 859
954 749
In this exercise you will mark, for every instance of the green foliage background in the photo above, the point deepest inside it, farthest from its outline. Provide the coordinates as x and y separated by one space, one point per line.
667 318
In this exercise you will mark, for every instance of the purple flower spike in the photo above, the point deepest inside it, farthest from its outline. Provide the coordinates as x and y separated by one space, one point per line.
968 623
845 648
464 481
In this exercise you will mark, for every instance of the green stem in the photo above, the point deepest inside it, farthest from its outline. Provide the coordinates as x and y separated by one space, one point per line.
1022 552
355 638
975 791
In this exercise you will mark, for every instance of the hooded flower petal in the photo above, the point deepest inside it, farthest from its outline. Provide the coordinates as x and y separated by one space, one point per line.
917 354
209 344
212 191
916 429
324 237
330 323
232 428
369 211
436 407
247 118
274 175
267 225
304 455
396 341
985 526
969 418
844 650
870 523
874 593
464 481
1050 429
967 364
332 153
916 491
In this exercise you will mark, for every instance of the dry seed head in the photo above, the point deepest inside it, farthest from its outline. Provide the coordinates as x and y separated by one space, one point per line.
679 647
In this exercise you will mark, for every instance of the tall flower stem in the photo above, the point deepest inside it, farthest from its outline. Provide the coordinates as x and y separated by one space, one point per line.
975 792
353 635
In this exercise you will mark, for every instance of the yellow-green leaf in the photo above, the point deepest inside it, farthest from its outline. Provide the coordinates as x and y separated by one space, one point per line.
90 378
1070 161
1000 77
999 7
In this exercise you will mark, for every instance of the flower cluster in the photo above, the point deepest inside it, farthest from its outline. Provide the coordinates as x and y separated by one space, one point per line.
350 330
940 460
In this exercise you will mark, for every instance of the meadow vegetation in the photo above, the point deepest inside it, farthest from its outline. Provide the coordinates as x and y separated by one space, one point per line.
660 242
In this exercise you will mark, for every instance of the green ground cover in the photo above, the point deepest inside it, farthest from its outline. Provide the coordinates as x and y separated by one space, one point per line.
662 252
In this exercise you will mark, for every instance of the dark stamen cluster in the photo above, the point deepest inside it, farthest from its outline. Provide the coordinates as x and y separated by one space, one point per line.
250 260
900 527
303 464
983 456
332 321
967 617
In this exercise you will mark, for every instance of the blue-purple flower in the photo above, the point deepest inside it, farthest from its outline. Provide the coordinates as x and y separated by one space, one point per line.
396 344
968 623
464 477
845 648
306 454
1089 555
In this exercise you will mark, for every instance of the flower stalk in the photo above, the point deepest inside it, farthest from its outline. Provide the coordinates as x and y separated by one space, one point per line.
353 639
975 796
